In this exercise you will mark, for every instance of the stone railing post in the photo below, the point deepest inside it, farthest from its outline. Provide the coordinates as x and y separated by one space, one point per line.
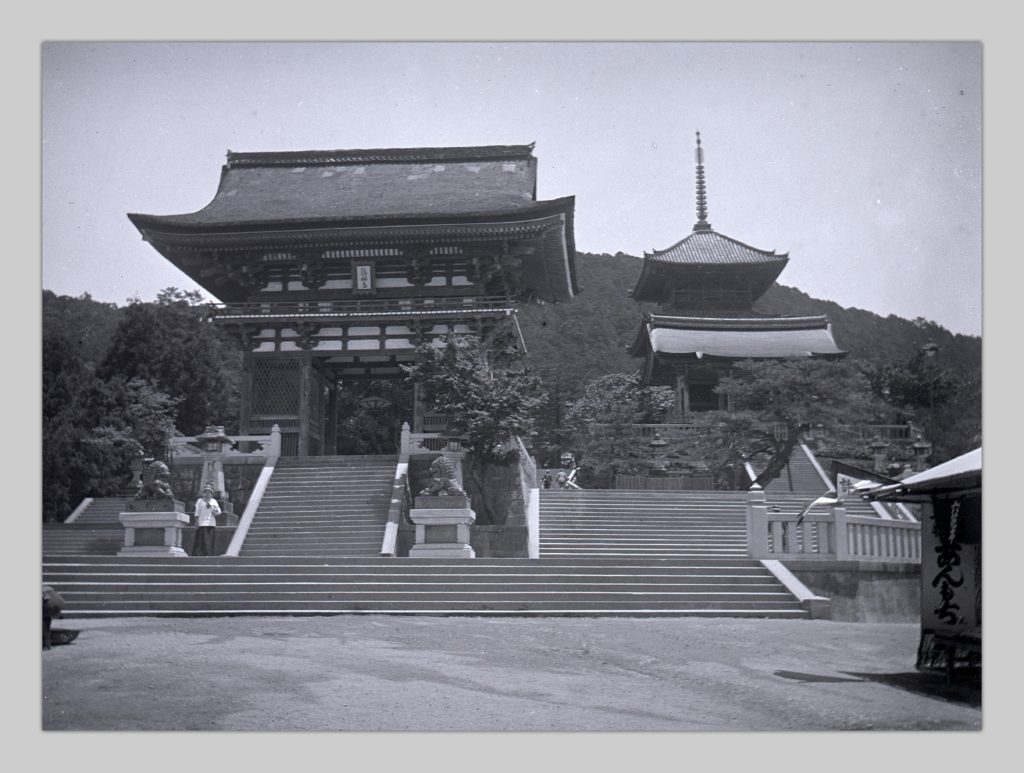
275 441
757 523
406 439
841 533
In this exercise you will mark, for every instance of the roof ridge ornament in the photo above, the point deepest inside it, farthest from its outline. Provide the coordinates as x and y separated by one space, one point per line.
702 198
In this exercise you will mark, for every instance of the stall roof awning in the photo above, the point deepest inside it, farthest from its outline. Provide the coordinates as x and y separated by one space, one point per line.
963 472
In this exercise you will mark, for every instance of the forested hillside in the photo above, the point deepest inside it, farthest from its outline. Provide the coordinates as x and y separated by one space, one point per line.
574 342
118 380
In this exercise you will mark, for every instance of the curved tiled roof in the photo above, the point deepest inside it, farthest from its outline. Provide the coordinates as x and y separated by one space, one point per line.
708 247
343 185
757 338
737 323
380 155
392 196
706 252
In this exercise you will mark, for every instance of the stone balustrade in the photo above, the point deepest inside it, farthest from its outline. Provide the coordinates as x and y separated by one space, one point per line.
241 446
828 534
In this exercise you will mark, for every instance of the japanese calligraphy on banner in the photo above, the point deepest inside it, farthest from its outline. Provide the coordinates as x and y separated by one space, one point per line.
363 278
951 566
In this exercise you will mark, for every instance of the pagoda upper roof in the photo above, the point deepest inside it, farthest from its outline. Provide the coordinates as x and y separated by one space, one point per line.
705 251
370 184
736 338
708 247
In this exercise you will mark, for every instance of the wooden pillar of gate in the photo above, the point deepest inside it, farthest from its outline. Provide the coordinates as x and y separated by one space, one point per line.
330 441
245 398
305 401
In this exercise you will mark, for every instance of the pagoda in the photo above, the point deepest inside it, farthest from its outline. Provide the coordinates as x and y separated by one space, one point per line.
331 266
706 285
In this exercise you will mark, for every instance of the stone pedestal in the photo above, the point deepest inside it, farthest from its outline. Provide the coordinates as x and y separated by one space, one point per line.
152 527
442 527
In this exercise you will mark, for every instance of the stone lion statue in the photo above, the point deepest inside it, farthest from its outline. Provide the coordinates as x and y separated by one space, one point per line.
156 482
442 479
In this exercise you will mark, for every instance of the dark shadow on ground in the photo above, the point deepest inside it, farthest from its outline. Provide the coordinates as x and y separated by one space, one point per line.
964 687
798 676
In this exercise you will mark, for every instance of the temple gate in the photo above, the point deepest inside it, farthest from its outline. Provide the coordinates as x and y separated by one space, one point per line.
332 266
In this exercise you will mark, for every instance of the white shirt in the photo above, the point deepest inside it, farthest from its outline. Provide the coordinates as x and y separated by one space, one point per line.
207 512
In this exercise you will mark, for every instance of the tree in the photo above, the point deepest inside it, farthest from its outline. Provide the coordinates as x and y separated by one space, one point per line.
490 398
93 429
170 345
602 424
489 395
945 400
772 402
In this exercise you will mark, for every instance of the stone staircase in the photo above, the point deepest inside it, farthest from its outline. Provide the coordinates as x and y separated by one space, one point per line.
800 475
699 534
643 587
325 506
651 524
312 550
95 531
103 511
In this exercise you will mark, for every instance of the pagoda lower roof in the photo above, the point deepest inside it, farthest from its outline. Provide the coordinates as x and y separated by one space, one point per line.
378 184
736 338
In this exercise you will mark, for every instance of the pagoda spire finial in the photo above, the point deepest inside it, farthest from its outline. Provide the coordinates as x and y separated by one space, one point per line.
702 197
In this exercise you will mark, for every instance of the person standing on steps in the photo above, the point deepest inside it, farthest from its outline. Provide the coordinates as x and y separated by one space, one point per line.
563 479
546 480
207 511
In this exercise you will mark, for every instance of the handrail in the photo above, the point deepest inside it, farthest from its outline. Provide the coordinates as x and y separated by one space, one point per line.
78 510
255 498
398 509
818 607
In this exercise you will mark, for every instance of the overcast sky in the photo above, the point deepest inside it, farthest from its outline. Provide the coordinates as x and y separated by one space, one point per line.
860 160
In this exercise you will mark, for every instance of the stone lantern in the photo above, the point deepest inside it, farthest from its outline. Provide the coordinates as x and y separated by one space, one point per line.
213 443
878 447
922 448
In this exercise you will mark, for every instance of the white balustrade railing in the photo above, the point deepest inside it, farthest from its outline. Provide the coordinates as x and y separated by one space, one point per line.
828 534
241 447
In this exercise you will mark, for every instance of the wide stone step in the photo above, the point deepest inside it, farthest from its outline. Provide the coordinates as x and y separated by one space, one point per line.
326 509
380 599
522 601
207 568
327 538
584 534
646 528
264 582
312 496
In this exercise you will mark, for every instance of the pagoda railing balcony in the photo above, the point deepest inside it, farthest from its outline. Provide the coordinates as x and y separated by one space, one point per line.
683 430
890 433
363 307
